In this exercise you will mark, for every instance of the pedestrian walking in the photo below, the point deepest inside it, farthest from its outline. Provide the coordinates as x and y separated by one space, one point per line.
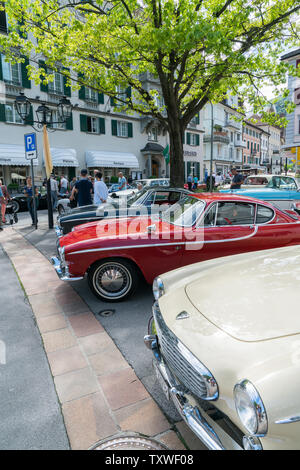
208 182
100 190
83 188
218 179
73 182
1 202
195 182
122 181
237 179
54 192
64 183
28 191
6 198
190 182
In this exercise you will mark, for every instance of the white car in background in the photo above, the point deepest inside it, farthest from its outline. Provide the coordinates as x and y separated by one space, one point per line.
153 182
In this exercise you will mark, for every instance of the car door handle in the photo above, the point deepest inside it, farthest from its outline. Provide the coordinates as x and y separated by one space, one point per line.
178 247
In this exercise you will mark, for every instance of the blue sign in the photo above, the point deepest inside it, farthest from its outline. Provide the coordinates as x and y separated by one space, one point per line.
30 146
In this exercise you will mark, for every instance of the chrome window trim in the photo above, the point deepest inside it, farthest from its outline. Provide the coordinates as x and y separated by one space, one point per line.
290 419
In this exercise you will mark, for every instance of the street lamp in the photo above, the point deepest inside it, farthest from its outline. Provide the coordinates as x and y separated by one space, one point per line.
45 118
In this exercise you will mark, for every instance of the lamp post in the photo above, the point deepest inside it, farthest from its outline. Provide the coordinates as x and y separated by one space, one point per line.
211 148
45 118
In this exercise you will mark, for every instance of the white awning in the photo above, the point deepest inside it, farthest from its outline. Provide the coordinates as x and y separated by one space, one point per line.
103 159
12 154
64 157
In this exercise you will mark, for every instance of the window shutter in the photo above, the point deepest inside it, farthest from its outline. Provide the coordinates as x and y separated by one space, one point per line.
197 118
185 177
128 92
83 123
1 73
102 125
25 80
2 112
188 138
69 123
188 168
100 98
112 101
114 127
197 139
81 93
197 172
67 89
43 87
183 138
130 133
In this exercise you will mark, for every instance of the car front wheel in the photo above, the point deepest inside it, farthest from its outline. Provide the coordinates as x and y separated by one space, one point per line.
16 205
113 280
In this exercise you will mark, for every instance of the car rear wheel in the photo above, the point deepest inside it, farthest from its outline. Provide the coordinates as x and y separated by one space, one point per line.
113 280
61 209
16 206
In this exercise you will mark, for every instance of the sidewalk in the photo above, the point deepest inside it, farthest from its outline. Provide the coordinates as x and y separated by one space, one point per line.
99 393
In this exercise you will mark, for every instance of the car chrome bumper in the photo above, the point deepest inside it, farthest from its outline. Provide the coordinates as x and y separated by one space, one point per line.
191 414
63 272
58 231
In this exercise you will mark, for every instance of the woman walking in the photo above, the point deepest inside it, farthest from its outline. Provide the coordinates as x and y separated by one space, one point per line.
7 198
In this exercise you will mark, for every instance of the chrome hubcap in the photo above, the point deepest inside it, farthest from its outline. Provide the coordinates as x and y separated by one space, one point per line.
112 280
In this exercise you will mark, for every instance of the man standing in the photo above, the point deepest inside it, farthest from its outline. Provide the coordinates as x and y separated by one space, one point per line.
54 191
6 197
237 179
218 179
63 184
122 181
83 188
100 190
190 182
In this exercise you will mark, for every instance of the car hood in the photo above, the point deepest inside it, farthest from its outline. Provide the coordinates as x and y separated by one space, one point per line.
263 193
120 230
253 298
92 210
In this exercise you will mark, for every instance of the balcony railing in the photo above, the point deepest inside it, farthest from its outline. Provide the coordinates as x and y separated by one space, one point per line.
240 143
217 137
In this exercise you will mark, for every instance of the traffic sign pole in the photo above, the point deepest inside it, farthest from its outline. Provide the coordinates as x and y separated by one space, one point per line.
31 154
33 197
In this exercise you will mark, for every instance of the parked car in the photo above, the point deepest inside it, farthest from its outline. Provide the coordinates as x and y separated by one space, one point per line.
155 199
153 182
116 253
282 191
64 205
19 201
226 348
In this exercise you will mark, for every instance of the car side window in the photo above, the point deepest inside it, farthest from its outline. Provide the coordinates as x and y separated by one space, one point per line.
161 197
263 214
174 197
235 213
210 216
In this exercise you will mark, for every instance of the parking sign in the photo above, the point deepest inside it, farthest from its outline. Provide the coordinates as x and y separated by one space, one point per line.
30 146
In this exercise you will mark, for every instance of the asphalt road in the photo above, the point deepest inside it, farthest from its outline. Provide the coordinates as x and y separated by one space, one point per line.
127 323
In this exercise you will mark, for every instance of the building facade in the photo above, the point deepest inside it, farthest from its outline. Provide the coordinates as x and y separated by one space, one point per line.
223 136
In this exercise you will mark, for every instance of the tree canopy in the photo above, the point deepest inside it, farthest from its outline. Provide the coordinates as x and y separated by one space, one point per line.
196 50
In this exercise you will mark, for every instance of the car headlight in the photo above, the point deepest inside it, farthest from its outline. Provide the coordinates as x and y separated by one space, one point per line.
250 408
158 288
62 255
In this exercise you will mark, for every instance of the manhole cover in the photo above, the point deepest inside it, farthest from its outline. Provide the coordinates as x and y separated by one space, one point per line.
106 312
130 443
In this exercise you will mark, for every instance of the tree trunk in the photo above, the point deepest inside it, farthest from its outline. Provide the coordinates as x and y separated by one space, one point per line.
176 155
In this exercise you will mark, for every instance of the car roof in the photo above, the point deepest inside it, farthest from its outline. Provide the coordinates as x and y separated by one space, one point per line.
211 197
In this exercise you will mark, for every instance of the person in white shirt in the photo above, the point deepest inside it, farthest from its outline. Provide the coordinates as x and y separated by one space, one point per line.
54 192
218 179
63 184
100 190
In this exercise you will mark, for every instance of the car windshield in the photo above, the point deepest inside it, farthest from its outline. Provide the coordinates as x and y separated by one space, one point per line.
137 198
282 182
185 212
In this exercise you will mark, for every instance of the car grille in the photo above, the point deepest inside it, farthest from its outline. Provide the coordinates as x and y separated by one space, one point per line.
187 368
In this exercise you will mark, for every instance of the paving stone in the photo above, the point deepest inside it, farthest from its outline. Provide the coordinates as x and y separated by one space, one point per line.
75 384
96 343
144 417
88 421
66 360
44 305
85 324
51 323
108 361
122 388
60 339
172 441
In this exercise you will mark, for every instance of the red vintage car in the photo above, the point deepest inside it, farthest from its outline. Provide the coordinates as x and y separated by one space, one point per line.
116 253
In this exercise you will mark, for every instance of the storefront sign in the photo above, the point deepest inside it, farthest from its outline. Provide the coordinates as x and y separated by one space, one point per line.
187 153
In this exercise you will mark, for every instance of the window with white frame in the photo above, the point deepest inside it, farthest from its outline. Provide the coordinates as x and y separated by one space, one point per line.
11 115
56 121
90 94
152 134
57 85
193 139
11 72
122 129
93 125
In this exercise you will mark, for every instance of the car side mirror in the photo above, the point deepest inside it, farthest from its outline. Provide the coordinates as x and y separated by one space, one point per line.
113 195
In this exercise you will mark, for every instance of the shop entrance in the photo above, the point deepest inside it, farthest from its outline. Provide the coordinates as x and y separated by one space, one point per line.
155 169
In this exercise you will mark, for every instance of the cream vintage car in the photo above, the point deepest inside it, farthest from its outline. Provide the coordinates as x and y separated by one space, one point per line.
226 348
